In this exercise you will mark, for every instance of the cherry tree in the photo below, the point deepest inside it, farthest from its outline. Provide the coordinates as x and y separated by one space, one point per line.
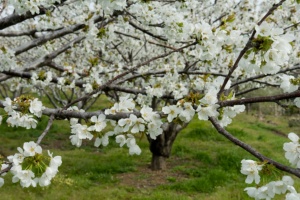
159 63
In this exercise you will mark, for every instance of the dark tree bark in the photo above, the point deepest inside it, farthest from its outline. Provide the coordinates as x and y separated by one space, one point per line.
161 147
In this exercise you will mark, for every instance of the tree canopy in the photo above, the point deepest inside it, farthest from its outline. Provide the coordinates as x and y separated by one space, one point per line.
159 63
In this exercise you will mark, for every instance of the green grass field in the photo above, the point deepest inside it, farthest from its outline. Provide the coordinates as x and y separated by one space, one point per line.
203 165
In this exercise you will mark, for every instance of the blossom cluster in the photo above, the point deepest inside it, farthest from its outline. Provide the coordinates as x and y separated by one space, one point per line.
269 190
125 104
130 142
277 54
31 168
284 186
25 105
149 123
272 49
31 5
153 121
183 110
42 79
292 150
286 84
208 105
7 61
80 132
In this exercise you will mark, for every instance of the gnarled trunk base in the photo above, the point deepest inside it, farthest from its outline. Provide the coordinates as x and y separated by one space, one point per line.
158 162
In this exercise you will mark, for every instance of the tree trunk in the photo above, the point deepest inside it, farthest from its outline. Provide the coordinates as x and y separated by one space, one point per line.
158 162
161 147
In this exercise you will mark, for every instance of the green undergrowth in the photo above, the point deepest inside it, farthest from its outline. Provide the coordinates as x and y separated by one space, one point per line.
203 165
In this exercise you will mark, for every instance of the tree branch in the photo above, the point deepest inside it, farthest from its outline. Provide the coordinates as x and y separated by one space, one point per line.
50 122
146 31
25 33
48 37
295 67
15 18
150 42
260 99
251 150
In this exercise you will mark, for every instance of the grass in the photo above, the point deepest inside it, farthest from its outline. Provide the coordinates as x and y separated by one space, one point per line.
203 165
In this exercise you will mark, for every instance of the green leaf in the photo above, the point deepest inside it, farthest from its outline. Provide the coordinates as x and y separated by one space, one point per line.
180 24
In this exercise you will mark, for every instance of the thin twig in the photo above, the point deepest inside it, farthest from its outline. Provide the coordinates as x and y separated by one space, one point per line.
50 122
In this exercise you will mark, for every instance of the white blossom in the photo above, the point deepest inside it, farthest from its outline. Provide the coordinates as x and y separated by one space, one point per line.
188 113
251 169
135 149
293 195
99 123
208 111
297 102
31 148
292 150
286 84
17 158
8 105
26 178
147 113
121 140
172 111
36 107
1 182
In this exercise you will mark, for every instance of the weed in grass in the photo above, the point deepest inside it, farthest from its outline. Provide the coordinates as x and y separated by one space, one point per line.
101 177
260 138
204 157
171 179
237 132
229 160
205 182
63 179
265 126
129 189
205 134
181 150
195 172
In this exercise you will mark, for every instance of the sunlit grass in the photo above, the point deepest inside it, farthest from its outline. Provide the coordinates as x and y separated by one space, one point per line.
209 163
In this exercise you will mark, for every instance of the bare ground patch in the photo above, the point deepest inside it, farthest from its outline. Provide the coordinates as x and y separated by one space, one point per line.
144 177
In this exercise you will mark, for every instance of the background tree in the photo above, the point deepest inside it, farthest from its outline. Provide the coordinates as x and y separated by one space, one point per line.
158 62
